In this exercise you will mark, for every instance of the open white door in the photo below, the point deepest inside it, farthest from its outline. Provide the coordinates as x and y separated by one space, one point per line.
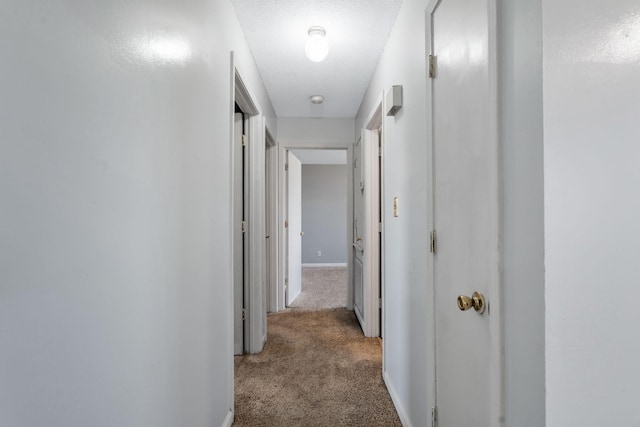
358 234
468 357
294 198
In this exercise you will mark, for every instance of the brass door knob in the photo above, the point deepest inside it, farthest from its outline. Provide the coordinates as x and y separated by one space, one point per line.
476 301
464 302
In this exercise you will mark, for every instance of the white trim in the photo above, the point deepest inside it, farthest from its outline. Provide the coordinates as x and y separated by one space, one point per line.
255 303
269 139
496 320
371 258
273 243
228 420
318 265
402 414
230 319
280 230
430 303
243 96
271 229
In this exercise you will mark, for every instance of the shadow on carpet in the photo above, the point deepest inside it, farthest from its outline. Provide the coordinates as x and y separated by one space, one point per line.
317 370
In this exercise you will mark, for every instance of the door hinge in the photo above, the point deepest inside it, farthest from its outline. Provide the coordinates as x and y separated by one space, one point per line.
244 314
433 62
379 302
379 151
434 416
286 283
286 167
379 227
434 242
244 140
244 227
286 224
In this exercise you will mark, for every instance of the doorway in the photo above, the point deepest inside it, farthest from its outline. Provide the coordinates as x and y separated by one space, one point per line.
465 240
248 222
240 246
368 230
316 228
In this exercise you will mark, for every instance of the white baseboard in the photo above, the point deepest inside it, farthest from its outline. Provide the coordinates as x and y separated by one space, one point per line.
317 264
228 420
404 419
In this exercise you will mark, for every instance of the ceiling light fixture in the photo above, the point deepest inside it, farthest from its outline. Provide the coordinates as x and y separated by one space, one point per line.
317 47
317 99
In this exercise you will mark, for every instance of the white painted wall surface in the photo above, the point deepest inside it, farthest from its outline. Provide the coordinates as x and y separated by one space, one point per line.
592 206
521 133
324 219
115 268
300 132
405 158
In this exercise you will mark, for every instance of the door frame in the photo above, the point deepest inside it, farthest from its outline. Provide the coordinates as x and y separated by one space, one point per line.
495 305
283 251
272 244
373 246
255 296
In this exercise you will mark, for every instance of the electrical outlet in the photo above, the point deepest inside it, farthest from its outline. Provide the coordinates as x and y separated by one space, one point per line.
319 253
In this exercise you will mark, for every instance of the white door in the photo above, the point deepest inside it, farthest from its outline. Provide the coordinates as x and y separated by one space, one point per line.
295 227
238 235
358 234
465 184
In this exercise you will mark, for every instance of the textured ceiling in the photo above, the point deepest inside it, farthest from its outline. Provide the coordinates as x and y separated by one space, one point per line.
276 31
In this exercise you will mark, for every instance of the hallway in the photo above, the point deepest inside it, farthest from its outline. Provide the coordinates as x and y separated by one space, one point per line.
505 135
317 369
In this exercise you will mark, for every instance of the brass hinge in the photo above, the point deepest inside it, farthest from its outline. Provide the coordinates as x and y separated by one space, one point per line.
433 62
244 314
434 416
286 224
434 242
244 227
244 140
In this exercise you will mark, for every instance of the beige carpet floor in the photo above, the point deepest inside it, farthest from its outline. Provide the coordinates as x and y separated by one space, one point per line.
322 287
317 370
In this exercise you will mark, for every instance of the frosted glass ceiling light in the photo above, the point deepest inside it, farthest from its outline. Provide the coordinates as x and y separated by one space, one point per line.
317 47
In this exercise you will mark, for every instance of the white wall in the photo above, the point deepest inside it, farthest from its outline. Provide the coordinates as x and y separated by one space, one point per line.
520 99
405 159
301 132
324 219
592 232
115 269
